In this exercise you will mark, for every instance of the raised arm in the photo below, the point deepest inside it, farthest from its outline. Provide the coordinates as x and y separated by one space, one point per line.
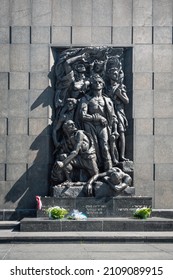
68 62
121 93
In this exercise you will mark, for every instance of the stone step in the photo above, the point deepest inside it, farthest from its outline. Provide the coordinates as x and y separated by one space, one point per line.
96 224
162 213
13 225
86 237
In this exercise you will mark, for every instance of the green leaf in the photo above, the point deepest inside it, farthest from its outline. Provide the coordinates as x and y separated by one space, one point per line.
142 213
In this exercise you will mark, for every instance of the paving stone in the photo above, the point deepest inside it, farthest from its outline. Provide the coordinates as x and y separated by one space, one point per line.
38 103
17 148
163 195
4 58
101 35
162 35
21 34
39 80
122 12
162 12
41 12
81 35
3 80
2 173
39 126
39 149
142 35
163 126
4 13
61 35
16 108
38 175
3 190
163 172
142 81
101 13
19 58
122 36
145 188
162 58
39 58
143 126
3 148
143 104
163 149
15 171
142 13
143 58
62 13
3 103
16 196
40 35
17 126
3 126
163 106
20 12
144 149
163 81
4 35
143 172
19 80
81 13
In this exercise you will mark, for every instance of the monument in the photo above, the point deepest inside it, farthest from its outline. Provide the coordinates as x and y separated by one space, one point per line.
93 165
91 170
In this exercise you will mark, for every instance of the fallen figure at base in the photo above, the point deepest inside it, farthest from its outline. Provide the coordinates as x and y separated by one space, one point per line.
108 184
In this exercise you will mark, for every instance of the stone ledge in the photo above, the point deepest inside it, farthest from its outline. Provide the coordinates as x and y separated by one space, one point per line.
16 214
96 224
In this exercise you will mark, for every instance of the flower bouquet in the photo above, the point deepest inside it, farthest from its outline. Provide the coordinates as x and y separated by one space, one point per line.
142 213
76 215
56 212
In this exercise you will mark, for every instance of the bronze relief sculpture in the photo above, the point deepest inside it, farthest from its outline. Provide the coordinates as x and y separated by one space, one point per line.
90 120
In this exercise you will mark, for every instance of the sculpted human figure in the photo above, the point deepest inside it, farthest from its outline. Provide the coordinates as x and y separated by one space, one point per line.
110 183
98 117
73 84
98 67
117 92
67 113
77 152
79 81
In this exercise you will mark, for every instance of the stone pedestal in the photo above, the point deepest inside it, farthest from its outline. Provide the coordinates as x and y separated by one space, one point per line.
69 190
120 206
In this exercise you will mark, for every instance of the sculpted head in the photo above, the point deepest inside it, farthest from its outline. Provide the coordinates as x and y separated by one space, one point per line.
71 103
116 176
69 127
80 67
97 82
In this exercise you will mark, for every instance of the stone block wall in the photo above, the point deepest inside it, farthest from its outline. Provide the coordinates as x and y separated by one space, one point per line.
28 31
